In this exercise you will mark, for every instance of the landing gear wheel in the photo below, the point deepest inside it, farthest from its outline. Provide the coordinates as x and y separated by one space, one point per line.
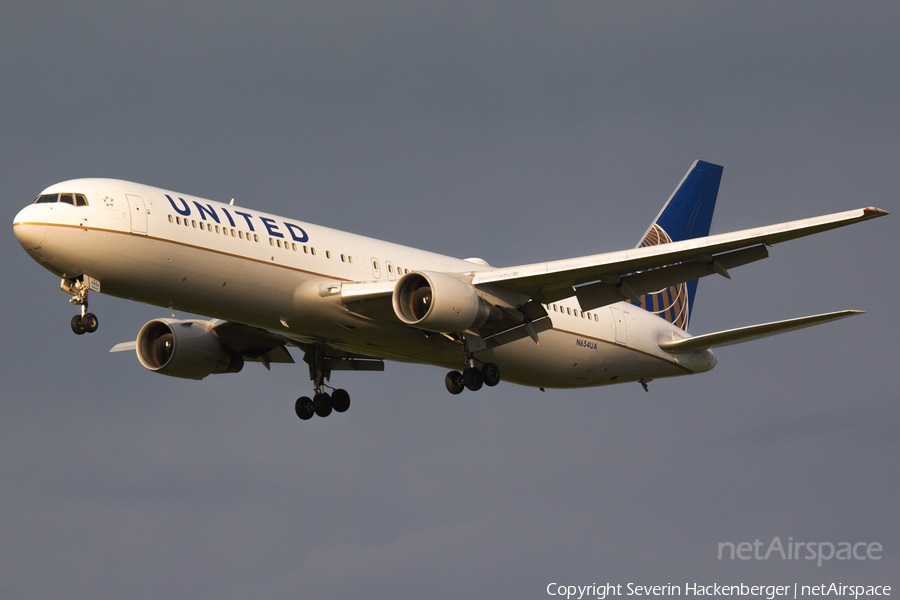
454 382
77 327
340 400
90 322
304 408
473 378
322 404
491 374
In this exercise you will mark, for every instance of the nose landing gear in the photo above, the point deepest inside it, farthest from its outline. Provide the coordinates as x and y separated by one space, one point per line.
78 288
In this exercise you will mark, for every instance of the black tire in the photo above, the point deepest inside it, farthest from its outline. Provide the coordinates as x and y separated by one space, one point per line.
340 400
304 408
322 404
473 379
90 322
77 327
491 374
454 382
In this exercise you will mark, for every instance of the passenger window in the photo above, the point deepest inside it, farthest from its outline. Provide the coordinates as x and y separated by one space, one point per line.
46 198
67 198
293 246
312 251
328 254
201 226
350 259
255 238
568 310
596 318
217 229
343 258
171 220
178 220
271 242
305 250
80 200
193 224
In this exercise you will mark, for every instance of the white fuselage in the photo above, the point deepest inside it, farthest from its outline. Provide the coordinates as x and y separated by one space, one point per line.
228 262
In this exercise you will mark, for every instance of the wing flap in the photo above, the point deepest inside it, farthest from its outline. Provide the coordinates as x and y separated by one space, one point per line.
753 332
634 285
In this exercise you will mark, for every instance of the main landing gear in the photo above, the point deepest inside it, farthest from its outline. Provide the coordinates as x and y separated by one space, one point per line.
86 322
321 403
472 377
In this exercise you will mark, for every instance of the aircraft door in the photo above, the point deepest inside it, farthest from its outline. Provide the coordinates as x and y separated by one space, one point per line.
390 269
138 214
621 329
376 269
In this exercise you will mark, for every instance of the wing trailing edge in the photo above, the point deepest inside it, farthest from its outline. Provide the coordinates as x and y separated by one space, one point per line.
753 332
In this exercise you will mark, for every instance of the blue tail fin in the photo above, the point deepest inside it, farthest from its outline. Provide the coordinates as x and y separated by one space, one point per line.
686 215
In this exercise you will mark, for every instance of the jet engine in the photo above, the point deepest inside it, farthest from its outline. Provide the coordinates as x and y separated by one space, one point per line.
441 302
184 349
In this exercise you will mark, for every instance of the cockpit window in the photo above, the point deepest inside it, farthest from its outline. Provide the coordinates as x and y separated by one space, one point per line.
73 199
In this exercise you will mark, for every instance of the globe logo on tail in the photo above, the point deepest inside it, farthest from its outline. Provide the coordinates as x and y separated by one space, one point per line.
670 303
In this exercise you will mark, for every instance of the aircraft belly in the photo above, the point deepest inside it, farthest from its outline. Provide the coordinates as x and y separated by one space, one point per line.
568 360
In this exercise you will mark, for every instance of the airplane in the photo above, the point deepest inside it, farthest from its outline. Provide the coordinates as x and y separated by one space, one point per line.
350 302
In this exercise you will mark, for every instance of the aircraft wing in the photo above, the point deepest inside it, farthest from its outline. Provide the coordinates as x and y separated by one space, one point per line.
252 343
753 332
614 276
267 347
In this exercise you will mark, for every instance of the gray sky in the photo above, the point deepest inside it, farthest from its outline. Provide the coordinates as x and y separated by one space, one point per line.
513 131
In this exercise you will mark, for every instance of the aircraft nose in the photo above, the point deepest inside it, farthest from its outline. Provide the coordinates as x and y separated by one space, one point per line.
30 226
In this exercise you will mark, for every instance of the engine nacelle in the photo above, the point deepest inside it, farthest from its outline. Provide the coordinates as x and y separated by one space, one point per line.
184 349
441 302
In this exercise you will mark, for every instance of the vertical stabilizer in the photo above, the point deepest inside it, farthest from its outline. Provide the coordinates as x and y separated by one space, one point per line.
686 215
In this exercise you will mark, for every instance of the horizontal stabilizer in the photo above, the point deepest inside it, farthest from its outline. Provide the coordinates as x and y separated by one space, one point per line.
744 334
